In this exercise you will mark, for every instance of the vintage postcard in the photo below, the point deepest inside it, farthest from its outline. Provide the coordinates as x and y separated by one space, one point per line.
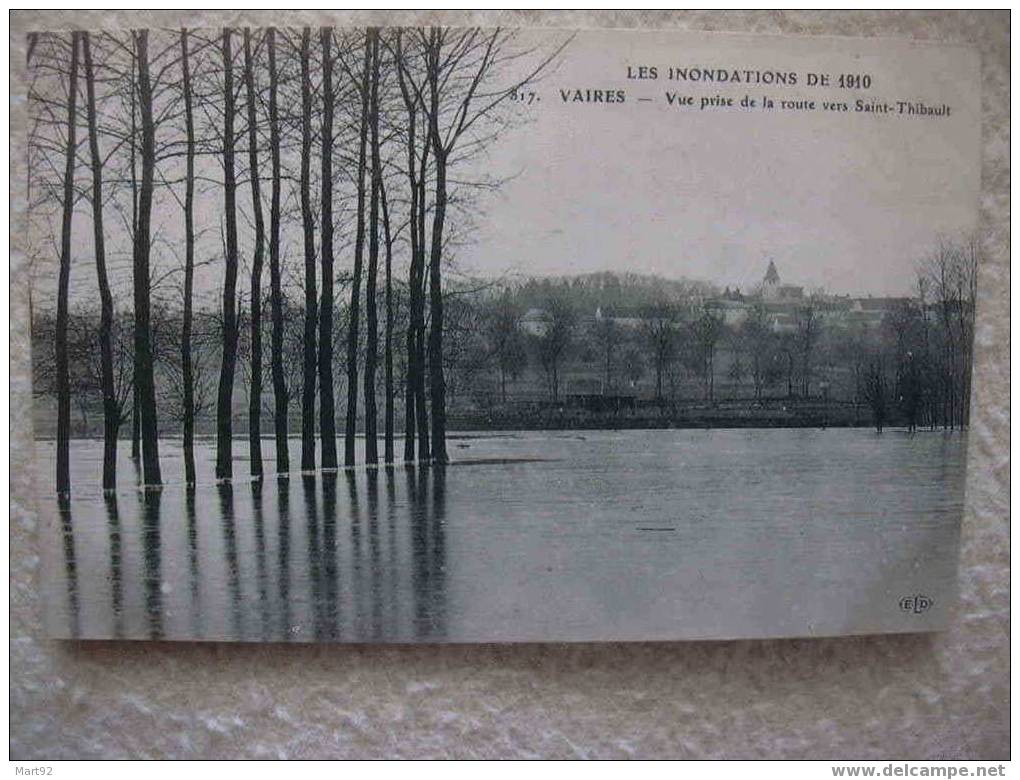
475 335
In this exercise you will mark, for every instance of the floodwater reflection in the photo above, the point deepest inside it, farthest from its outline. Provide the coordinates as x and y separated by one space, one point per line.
194 588
244 582
231 560
70 564
116 585
609 535
151 544
262 575
282 627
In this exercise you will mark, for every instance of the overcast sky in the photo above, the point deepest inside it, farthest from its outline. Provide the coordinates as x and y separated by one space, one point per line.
841 201
848 202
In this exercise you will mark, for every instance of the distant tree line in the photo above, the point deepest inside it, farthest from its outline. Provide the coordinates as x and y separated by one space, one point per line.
668 341
913 365
616 335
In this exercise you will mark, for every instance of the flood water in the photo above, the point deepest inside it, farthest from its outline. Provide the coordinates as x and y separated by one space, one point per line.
596 535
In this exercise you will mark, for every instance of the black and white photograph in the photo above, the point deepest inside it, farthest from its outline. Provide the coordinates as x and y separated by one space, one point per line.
455 335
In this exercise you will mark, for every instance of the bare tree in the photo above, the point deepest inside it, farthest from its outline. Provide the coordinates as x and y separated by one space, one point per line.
506 341
808 325
255 394
707 330
756 340
416 411
902 329
966 294
228 364
371 315
460 94
875 390
607 337
388 413
63 379
184 400
281 397
144 369
136 405
187 360
350 428
659 330
308 224
949 273
111 410
556 339
327 422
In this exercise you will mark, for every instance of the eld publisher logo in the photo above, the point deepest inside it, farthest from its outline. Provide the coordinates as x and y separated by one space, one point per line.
916 604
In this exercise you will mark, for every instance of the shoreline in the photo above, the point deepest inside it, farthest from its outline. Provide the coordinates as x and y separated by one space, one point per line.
465 432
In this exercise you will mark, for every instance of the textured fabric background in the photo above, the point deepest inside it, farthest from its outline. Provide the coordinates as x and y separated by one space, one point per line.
920 697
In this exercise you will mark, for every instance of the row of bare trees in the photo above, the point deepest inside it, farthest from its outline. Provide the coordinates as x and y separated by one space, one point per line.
912 364
177 123
672 348
921 363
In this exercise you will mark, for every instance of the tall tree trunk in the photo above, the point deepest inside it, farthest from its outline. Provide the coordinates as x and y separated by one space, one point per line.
421 408
187 365
225 395
416 419
372 320
136 418
327 412
388 339
136 407
409 404
63 282
144 370
437 382
359 250
410 379
111 410
280 394
311 299
255 393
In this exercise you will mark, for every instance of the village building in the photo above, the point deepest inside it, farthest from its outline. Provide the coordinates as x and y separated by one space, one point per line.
628 323
784 305
535 322
869 312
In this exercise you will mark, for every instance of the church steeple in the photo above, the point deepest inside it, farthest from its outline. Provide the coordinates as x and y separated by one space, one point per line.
770 284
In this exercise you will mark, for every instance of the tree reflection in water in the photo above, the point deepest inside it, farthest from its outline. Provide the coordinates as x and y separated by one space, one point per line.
152 499
116 584
374 563
328 592
355 548
362 556
260 558
392 582
283 556
428 549
314 551
233 572
218 562
70 564
193 579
